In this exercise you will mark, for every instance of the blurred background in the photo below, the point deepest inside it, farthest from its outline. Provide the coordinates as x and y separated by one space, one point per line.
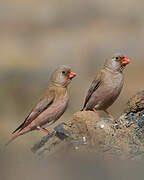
37 36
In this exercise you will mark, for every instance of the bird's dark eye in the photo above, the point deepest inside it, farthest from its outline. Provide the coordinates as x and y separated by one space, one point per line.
63 72
116 58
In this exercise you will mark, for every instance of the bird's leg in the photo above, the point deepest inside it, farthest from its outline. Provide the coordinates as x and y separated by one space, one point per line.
43 129
109 115
96 112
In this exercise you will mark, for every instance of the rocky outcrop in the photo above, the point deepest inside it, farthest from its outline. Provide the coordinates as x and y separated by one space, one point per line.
122 138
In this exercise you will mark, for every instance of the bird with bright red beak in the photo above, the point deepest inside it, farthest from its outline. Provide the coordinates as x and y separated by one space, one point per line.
51 105
107 85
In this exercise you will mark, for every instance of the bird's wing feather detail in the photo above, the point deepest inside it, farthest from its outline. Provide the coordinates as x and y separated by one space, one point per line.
45 101
94 85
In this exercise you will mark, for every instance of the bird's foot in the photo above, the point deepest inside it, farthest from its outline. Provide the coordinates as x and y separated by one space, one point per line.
97 114
110 116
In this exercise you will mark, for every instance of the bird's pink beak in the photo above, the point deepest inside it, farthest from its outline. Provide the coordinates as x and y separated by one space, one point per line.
125 61
71 75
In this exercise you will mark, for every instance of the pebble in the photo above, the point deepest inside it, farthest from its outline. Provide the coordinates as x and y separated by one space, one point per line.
102 126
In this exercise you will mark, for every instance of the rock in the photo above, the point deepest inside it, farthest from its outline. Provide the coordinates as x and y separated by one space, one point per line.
122 138
94 129
136 103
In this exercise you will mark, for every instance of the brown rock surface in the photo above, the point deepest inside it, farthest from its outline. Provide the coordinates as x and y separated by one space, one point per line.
122 138
136 102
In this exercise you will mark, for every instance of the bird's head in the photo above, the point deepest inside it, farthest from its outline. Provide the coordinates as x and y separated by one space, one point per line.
118 62
62 76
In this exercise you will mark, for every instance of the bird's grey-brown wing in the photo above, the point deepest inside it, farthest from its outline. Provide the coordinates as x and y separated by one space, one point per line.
94 85
45 101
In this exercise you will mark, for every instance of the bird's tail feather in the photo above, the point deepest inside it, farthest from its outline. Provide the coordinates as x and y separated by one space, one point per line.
12 139
23 131
19 128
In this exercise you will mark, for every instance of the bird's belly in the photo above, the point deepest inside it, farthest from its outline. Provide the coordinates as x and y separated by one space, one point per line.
48 124
106 97
53 113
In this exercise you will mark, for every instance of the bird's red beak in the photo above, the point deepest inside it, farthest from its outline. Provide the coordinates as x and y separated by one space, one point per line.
125 61
71 75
